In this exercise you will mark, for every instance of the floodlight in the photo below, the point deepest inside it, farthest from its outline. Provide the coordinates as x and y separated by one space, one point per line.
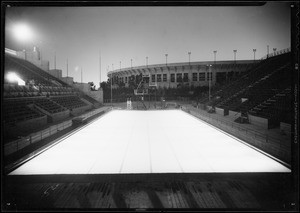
22 32
13 77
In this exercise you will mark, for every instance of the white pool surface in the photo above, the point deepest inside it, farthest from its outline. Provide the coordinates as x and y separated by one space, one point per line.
128 141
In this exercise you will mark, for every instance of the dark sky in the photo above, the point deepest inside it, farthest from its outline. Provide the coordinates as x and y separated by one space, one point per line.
124 33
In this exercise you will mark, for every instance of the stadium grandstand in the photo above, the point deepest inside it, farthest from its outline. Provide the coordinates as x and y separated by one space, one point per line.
254 106
206 135
34 99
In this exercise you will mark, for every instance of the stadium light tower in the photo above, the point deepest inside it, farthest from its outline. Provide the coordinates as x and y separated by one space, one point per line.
147 61
254 50
22 32
110 86
67 68
234 52
100 69
209 80
55 60
215 56
166 59
189 58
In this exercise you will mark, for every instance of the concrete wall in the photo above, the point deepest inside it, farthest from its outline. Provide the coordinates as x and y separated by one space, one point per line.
56 73
285 128
45 65
53 117
84 87
60 115
68 80
87 102
258 121
220 111
33 123
77 111
233 115
97 95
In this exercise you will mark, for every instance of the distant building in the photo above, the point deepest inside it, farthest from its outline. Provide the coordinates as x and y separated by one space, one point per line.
184 74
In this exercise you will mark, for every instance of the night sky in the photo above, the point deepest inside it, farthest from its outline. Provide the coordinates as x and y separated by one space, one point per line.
124 33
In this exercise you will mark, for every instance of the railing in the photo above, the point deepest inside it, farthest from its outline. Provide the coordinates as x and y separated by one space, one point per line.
229 125
279 52
23 142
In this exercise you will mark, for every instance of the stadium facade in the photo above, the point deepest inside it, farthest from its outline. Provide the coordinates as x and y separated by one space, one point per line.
188 74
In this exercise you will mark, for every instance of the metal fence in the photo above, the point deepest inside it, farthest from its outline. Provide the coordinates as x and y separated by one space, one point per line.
23 142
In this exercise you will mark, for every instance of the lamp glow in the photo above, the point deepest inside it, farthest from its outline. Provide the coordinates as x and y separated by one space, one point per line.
13 77
22 32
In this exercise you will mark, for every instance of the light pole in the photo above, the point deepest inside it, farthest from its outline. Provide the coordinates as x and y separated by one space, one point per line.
147 61
274 50
131 64
215 53
189 80
67 68
55 60
81 74
234 51
121 78
112 67
254 50
110 87
209 79
267 51
23 33
166 59
100 70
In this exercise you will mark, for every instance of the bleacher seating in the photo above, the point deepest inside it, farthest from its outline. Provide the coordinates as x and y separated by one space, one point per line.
70 102
16 110
42 94
277 108
259 91
14 91
256 73
55 91
48 105
262 88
